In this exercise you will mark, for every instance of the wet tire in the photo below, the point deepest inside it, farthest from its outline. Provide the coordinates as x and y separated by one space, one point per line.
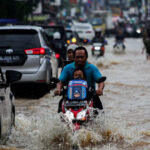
92 53
75 147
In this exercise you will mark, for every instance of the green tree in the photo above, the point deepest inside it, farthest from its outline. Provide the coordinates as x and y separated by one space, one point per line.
17 9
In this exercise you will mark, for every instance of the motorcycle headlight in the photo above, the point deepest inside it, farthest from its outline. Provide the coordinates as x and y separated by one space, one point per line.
97 48
138 30
74 40
68 41
81 115
69 115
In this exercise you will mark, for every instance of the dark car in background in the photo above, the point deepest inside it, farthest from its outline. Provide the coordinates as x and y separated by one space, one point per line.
50 30
132 30
7 107
26 49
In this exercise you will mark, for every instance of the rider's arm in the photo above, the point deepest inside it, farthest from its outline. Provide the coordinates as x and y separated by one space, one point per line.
100 88
97 75
63 79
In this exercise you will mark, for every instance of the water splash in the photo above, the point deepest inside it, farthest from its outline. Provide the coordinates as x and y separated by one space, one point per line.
44 133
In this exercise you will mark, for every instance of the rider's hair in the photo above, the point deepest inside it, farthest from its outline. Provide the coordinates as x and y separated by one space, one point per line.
81 48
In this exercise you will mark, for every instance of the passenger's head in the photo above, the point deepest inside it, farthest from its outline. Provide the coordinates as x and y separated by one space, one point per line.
81 56
70 51
56 35
79 74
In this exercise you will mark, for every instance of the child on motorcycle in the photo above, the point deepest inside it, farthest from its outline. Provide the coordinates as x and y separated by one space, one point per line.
78 74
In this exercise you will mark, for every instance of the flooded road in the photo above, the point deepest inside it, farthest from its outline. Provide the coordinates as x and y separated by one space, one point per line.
126 101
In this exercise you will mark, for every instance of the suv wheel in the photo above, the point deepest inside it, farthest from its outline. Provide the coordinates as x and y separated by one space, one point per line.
48 77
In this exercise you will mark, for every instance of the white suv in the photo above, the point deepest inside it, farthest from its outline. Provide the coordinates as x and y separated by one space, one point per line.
7 107
27 50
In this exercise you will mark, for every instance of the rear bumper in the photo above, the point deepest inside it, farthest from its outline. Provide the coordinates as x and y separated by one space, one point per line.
86 36
42 75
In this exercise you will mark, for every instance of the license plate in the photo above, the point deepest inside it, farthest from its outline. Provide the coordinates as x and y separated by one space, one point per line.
9 59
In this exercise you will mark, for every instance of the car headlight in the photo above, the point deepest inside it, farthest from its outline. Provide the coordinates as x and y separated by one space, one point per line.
81 115
69 115
74 40
138 30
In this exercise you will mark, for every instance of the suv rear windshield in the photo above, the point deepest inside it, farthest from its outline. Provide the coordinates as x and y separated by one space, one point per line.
19 39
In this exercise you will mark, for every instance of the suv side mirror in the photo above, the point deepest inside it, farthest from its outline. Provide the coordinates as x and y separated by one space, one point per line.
12 76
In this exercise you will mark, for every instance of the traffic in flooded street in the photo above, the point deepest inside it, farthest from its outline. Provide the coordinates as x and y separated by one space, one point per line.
74 74
124 124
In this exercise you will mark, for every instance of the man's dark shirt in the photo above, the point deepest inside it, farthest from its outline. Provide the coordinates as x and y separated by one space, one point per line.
120 38
58 46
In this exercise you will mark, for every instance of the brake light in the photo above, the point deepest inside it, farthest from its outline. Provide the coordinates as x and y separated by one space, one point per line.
35 51
85 40
102 48
88 31
57 55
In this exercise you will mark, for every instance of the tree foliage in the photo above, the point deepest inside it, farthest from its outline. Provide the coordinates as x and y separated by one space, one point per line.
17 9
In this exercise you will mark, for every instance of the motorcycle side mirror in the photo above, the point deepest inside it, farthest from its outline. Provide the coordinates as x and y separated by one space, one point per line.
102 79
105 42
12 76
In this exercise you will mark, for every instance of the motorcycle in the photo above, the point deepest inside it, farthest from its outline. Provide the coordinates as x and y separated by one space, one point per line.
119 47
77 105
98 48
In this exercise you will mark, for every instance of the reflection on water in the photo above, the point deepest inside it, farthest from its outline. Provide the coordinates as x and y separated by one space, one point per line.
124 125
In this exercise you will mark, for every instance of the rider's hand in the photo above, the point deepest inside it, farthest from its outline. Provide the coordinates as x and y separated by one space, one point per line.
57 92
99 92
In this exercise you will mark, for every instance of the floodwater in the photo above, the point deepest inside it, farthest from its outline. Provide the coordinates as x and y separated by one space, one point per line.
125 125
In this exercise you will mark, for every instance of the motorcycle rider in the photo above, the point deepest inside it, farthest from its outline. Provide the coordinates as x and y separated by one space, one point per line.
146 41
119 38
58 46
99 38
91 71
70 53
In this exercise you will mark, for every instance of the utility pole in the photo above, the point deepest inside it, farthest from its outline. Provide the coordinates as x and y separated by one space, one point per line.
148 10
96 4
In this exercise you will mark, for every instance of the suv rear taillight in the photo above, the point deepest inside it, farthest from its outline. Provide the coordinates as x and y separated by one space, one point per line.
57 55
35 51
103 48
